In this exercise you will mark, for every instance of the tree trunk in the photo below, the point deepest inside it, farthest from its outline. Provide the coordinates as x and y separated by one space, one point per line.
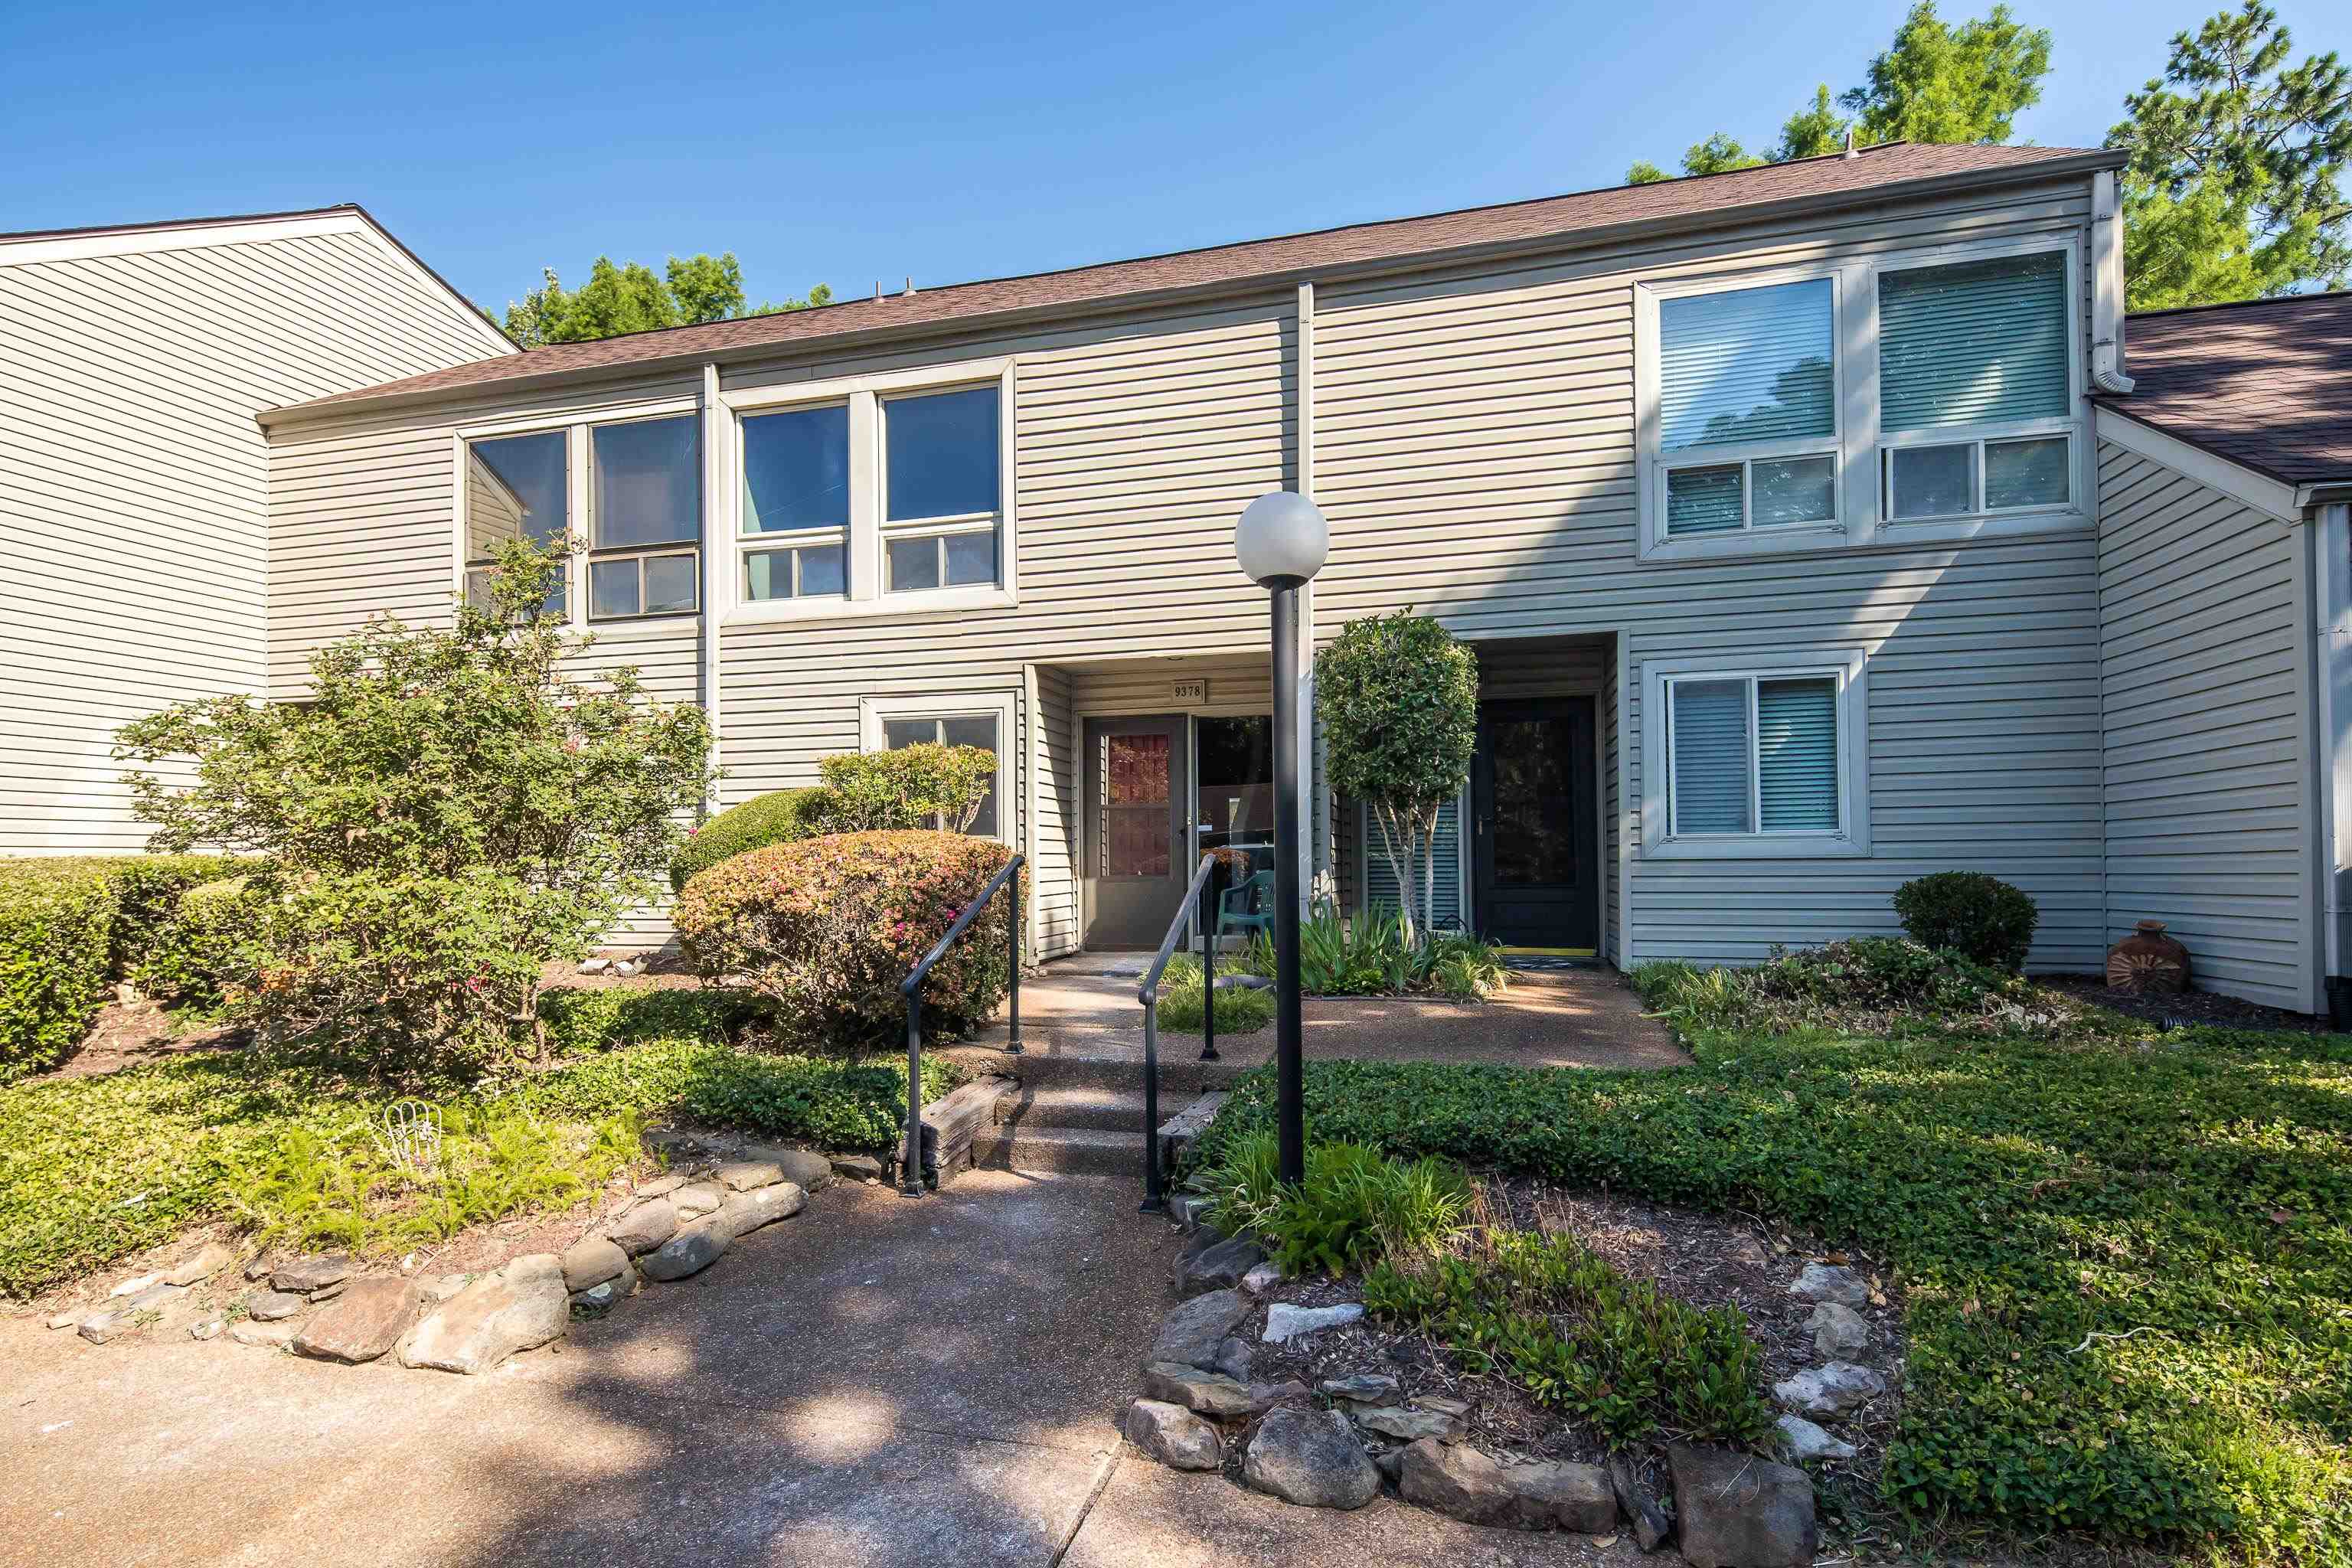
1394 825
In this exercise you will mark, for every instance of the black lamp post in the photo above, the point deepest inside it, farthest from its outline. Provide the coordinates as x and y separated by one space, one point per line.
1282 540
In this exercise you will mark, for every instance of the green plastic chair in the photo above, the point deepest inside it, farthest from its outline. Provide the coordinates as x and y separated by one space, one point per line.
1242 906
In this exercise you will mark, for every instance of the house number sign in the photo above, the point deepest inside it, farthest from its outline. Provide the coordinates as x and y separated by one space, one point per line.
1187 691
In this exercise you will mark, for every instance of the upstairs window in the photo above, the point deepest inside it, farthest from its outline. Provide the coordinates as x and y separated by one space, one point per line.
794 523
646 506
1975 387
942 489
517 487
1747 427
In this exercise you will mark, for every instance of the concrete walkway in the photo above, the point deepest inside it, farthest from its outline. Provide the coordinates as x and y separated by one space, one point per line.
1580 1017
879 1381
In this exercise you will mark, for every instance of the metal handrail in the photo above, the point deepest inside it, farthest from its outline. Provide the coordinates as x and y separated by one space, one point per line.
1155 1201
910 1172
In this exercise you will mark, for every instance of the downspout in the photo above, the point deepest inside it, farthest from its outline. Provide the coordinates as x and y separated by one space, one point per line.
1311 845
2331 593
718 562
2107 285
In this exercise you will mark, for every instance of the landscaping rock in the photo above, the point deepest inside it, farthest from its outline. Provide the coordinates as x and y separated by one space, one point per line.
690 1251
1736 1511
1837 1330
592 1260
1807 1441
1459 1408
1173 1435
804 1168
1185 1212
747 1212
1285 1321
438 1288
1233 1358
606 1297
1262 1279
1265 1397
1407 1426
269 1336
64 1320
205 1328
199 1266
136 1283
366 1322
305 1275
1210 1393
519 1308
1827 1282
1309 1458
1556 1495
105 1328
1217 1268
645 1227
153 1299
1831 1390
259 1268
1363 1388
696 1200
859 1167
272 1305
1192 1334
325 1293
742 1176
660 1186
1460 1483
594 965
1390 1465
1651 1525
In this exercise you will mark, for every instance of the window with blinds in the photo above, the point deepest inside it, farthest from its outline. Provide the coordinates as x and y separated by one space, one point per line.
1742 371
1974 364
1753 756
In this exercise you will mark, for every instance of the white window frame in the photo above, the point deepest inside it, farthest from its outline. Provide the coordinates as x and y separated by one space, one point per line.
1864 512
873 712
746 546
868 534
579 504
1847 666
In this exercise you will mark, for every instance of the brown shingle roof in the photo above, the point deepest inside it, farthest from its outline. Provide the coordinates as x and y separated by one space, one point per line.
2267 384
1812 179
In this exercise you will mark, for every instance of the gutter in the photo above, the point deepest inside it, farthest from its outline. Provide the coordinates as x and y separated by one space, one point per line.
1604 236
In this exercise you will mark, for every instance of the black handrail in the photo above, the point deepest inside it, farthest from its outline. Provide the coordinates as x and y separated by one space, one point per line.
910 1172
1154 1200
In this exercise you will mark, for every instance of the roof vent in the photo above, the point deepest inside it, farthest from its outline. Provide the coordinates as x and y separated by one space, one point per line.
910 289
1849 143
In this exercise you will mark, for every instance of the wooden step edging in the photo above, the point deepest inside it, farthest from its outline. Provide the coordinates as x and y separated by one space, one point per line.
951 1122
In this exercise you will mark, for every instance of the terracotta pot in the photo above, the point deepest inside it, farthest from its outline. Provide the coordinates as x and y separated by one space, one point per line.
2147 964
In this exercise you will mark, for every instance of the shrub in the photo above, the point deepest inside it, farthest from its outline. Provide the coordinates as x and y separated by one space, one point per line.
1241 1010
2032 1194
1980 917
916 786
1397 699
1375 954
451 812
1861 984
56 924
827 929
1355 1206
201 948
779 816
580 1020
148 891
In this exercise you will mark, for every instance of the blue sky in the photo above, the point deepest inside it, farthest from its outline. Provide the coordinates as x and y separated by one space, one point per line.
844 144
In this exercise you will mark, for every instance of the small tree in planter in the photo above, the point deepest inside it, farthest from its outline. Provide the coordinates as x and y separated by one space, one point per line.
1398 700
450 813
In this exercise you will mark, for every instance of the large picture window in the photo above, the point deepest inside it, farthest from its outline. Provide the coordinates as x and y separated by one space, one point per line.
1748 408
940 487
794 523
646 506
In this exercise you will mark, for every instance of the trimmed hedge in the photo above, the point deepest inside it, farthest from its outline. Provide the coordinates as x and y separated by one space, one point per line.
827 929
1980 917
2190 1189
781 816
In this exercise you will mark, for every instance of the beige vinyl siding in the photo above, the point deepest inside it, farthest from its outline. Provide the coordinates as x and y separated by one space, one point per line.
1053 847
135 480
2207 745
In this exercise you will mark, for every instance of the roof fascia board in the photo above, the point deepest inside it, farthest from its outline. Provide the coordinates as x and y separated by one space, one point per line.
1283 281
38 249
2232 478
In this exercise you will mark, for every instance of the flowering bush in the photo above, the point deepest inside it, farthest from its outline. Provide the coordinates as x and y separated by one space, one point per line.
827 929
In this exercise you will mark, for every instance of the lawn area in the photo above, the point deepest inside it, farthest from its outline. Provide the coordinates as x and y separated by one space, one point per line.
93 1169
2042 1195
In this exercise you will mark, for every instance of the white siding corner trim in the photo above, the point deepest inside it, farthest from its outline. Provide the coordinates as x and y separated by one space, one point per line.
1847 666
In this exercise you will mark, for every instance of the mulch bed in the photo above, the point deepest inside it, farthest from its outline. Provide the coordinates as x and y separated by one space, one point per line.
2188 1008
1705 1260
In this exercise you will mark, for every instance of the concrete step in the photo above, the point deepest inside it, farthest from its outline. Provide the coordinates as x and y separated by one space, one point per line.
1016 1146
1083 1106
1114 1070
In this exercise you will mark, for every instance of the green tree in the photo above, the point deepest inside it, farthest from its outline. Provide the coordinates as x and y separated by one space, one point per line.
2234 189
1939 84
629 297
450 813
1398 700
1814 131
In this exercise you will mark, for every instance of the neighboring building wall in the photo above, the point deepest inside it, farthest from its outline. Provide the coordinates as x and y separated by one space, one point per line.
2205 699
1473 448
135 480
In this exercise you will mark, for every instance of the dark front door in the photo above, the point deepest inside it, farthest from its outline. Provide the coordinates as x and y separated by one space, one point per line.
1136 861
1536 827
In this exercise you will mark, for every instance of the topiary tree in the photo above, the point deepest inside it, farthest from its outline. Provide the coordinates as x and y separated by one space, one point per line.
451 812
1976 915
1398 700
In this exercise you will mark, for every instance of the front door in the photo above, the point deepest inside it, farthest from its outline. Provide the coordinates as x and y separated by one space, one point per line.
1137 863
1536 827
